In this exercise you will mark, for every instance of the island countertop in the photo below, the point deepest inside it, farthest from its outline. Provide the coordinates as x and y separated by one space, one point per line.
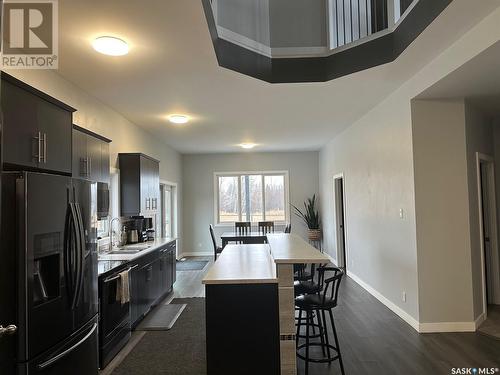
292 249
243 264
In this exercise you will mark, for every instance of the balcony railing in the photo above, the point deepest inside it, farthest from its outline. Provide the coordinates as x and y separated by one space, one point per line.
353 20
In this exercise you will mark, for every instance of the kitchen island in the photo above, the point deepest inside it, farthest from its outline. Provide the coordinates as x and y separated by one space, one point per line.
250 308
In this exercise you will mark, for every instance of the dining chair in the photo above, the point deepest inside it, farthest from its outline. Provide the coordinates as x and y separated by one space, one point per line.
266 227
217 249
242 227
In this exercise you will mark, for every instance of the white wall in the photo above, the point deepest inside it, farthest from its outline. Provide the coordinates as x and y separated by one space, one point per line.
198 179
376 156
101 119
442 211
479 137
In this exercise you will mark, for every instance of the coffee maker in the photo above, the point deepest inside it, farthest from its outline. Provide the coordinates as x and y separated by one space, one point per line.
143 226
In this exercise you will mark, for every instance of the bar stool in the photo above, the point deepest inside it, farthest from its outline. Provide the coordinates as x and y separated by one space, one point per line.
301 274
322 304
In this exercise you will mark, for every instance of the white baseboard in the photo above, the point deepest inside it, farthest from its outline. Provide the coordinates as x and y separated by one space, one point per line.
196 254
480 319
396 309
436 327
441 327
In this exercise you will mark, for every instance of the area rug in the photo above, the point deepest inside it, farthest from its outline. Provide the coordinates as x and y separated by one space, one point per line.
191 265
178 351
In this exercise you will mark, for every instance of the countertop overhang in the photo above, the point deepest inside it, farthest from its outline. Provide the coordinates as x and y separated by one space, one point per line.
243 264
256 264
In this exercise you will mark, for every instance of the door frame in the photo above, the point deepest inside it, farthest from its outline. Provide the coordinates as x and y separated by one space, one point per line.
175 212
341 260
490 162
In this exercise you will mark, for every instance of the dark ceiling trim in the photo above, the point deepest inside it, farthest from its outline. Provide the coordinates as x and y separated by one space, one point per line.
381 50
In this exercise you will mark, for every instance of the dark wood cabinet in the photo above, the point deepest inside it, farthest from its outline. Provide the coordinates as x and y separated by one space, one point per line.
90 155
139 184
37 128
167 269
152 277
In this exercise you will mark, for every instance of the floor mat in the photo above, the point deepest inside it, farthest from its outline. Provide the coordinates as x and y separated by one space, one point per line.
161 318
191 265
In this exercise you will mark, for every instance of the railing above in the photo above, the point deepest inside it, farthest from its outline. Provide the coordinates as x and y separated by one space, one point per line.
314 40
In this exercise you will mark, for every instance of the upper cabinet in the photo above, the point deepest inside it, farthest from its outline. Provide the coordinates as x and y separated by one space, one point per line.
90 155
139 184
36 128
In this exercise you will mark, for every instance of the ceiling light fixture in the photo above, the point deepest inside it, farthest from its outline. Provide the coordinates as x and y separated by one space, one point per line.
247 146
111 46
178 119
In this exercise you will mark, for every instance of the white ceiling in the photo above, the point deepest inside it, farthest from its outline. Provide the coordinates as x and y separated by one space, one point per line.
172 68
478 81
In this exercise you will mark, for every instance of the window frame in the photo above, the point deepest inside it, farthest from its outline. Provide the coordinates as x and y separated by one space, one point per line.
239 174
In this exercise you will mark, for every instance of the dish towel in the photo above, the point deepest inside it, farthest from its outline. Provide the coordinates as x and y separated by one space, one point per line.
122 288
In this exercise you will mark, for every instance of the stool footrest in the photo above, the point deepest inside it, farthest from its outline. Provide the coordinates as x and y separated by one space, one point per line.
318 360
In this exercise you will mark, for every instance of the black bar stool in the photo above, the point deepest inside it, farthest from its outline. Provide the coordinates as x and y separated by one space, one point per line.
305 285
322 305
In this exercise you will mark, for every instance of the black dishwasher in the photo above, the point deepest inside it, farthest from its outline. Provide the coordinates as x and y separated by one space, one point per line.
114 317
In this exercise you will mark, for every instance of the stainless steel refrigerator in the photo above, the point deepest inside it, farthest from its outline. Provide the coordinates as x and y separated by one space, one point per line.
49 249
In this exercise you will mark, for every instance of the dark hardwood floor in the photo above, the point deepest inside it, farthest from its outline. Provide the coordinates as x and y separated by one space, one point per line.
372 338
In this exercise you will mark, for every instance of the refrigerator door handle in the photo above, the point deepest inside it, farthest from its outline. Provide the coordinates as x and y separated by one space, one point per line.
81 253
68 237
54 359
78 246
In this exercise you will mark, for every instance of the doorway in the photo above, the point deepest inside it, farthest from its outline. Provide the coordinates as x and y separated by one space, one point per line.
488 228
340 229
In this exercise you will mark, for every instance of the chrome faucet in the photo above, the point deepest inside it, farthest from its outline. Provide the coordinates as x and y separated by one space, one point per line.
111 232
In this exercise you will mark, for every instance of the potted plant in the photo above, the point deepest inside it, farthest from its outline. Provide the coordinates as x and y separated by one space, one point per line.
310 215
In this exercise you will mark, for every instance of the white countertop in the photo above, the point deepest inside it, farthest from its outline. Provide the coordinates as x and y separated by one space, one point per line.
153 245
243 264
291 249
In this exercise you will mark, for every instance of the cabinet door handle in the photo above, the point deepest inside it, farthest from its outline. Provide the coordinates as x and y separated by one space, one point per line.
38 139
89 167
45 147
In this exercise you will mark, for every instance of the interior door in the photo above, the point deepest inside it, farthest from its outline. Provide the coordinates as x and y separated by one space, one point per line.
485 199
45 304
86 206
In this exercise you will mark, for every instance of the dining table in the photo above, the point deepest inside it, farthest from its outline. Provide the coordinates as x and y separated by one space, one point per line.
251 237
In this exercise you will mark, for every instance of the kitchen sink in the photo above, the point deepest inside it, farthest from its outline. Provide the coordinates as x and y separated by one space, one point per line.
129 249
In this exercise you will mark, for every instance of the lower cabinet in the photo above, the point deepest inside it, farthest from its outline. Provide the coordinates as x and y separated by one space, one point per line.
151 279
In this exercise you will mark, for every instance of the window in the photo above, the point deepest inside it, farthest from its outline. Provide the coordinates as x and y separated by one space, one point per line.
259 196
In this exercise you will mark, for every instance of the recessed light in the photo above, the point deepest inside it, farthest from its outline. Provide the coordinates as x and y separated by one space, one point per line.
111 46
178 119
247 145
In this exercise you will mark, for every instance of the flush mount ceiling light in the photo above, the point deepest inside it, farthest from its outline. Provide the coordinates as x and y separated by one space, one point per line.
110 46
247 146
178 119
